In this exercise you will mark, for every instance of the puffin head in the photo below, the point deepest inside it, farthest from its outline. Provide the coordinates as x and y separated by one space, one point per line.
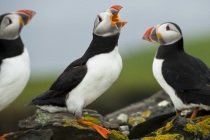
12 23
164 34
108 23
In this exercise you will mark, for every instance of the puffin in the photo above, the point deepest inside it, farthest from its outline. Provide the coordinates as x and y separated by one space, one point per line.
88 77
14 57
185 78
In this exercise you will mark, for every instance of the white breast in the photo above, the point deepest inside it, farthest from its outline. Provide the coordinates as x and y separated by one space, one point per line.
14 74
102 71
157 71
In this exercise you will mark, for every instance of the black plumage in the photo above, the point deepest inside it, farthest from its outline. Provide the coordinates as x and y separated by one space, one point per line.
10 48
188 75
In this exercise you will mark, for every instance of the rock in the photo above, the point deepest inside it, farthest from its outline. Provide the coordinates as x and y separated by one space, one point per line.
152 111
183 128
29 134
152 118
146 109
64 126
159 115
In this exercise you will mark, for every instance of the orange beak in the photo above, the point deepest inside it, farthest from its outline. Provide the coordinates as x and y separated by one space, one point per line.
26 15
114 18
147 34
152 35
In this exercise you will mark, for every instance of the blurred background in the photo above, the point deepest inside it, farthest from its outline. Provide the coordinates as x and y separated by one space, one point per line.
61 31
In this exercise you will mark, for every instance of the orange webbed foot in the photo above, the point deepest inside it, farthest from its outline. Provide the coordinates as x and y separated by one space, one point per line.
103 131
178 113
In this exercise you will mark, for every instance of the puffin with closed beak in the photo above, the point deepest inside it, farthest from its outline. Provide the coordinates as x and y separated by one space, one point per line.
86 78
14 57
185 78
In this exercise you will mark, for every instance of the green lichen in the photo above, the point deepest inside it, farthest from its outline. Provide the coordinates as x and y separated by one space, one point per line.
202 126
169 125
191 128
135 121
146 113
161 134
139 117
116 135
92 119
198 126
73 123
41 117
131 121
159 131
165 137
141 120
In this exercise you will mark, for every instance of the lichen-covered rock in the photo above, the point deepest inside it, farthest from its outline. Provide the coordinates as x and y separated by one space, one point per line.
139 112
151 119
181 128
145 116
65 127
153 113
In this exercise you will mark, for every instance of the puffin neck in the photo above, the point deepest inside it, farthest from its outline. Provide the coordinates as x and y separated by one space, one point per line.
165 51
101 45
10 48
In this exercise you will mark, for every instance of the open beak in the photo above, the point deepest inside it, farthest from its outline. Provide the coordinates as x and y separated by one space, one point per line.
114 18
26 16
151 35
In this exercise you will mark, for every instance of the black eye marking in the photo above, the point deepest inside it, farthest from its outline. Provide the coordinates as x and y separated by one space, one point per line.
100 19
10 21
167 27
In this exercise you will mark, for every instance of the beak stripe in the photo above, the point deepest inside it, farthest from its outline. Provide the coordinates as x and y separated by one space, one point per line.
153 35
25 18
147 34
26 15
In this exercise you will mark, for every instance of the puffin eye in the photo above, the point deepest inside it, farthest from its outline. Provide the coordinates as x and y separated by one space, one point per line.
167 27
10 21
100 19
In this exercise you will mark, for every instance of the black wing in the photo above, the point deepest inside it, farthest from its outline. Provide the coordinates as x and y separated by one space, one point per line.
189 76
68 80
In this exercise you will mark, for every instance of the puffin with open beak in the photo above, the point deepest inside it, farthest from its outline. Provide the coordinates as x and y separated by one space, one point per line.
185 78
86 78
14 57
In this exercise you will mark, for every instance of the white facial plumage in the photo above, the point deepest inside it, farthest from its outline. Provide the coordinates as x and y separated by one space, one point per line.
10 26
169 33
108 23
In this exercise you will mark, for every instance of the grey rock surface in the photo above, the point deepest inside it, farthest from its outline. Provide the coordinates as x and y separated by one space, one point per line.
152 118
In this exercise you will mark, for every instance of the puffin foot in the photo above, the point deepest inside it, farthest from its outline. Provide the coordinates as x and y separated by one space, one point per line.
194 113
178 113
2 138
103 131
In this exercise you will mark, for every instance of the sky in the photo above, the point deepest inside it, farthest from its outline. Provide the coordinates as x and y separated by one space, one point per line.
61 31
